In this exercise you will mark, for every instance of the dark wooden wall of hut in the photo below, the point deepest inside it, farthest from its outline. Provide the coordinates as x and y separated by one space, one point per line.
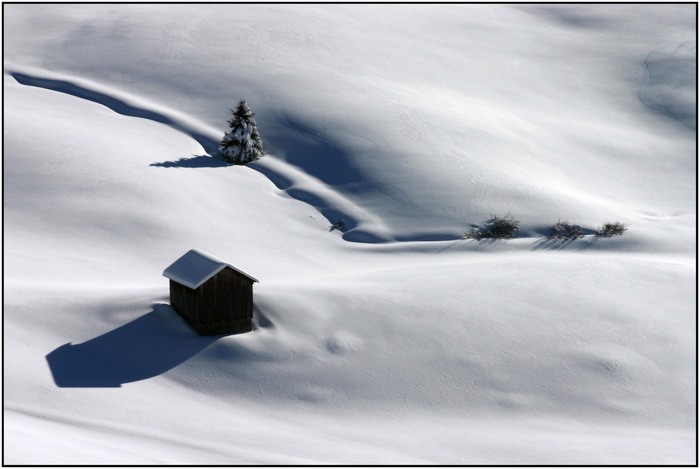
223 304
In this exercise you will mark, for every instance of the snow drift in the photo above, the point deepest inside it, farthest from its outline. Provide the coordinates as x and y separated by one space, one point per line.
393 341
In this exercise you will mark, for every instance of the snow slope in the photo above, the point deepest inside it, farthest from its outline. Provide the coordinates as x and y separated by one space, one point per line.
396 341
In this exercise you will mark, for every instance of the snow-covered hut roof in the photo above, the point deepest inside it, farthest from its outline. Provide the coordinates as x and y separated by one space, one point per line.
196 267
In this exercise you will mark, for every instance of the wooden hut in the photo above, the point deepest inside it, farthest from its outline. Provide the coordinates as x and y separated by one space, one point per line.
213 296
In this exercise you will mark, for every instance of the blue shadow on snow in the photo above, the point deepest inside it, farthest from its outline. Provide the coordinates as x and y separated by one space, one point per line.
117 105
143 348
304 147
307 148
200 161
296 142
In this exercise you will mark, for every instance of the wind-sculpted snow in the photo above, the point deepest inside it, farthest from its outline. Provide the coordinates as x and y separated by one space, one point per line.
317 163
322 177
671 85
118 105
408 345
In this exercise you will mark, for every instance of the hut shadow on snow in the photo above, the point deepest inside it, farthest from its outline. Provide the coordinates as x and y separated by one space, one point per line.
143 348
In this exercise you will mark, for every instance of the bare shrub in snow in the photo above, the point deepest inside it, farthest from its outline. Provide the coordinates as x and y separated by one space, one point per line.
495 228
609 230
339 225
242 144
563 231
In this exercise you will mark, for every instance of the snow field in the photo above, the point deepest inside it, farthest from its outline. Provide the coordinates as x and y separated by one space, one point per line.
397 341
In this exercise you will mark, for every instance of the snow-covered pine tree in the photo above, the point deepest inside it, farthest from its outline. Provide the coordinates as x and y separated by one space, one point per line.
242 144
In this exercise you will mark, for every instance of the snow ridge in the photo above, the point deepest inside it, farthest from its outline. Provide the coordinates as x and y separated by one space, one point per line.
452 351
122 104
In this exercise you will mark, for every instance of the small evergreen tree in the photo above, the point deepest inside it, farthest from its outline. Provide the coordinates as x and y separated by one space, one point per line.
242 144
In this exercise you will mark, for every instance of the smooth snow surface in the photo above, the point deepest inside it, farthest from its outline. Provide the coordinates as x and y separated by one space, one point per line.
388 338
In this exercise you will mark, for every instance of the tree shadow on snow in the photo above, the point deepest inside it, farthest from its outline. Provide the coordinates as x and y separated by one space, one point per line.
552 244
581 243
145 347
200 161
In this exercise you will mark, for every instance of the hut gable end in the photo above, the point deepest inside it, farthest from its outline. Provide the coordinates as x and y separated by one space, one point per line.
196 267
213 296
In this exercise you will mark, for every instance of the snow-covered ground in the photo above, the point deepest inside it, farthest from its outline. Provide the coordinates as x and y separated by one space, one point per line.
396 341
